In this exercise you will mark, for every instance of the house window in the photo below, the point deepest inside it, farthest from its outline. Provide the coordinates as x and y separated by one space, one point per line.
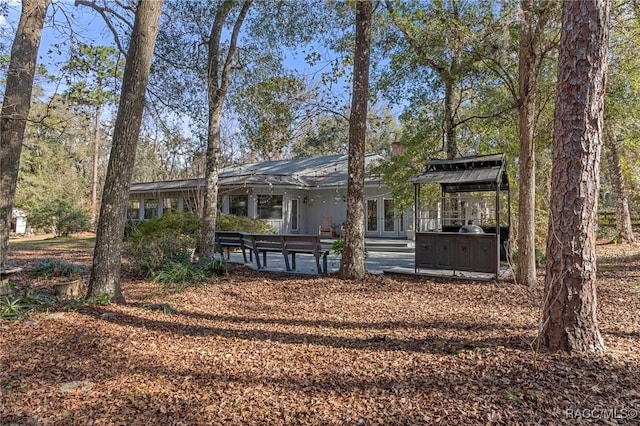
269 206
239 205
169 205
150 208
294 215
133 211
372 215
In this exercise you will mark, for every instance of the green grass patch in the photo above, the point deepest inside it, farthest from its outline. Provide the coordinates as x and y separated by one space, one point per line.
76 243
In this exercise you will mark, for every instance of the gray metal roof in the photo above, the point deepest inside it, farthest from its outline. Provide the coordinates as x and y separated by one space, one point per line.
169 185
312 172
466 174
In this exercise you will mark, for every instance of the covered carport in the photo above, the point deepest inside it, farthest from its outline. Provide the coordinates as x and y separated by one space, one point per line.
463 214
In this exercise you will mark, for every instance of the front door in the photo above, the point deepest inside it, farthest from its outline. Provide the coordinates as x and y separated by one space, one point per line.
382 219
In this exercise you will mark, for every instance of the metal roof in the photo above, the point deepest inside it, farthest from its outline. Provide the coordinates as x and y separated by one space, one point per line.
467 174
312 172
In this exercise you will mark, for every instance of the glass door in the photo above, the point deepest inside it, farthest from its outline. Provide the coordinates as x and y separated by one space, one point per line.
372 217
390 223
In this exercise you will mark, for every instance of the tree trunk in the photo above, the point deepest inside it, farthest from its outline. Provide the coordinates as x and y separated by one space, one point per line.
105 274
450 136
218 76
94 176
352 265
624 230
15 109
569 313
526 264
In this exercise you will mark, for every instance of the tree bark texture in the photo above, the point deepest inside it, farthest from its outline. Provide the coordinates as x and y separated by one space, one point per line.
449 122
569 313
105 274
218 75
352 265
624 229
15 108
94 174
526 264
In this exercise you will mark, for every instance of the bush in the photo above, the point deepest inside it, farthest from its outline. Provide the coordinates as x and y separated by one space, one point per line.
185 223
60 217
337 248
174 236
230 222
171 237
179 274
130 228
56 268
15 306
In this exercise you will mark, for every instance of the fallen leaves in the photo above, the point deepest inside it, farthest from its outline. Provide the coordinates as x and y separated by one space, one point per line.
256 348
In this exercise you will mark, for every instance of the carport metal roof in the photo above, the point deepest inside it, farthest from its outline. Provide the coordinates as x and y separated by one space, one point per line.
467 174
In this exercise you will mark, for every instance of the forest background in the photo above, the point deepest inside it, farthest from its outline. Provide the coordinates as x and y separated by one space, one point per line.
444 82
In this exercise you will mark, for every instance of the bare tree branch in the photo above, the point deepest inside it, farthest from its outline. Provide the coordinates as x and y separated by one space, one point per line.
105 12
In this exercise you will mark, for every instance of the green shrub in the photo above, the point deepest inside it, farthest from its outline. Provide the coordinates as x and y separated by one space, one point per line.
159 240
185 223
337 247
16 306
230 222
60 217
179 274
56 268
212 267
130 227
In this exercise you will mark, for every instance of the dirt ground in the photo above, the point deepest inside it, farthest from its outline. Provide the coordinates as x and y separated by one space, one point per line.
255 348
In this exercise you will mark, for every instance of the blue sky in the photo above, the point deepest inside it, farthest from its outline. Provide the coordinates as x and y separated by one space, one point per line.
91 29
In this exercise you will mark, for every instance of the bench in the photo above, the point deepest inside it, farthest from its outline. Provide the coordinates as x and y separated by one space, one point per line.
228 240
306 244
289 244
264 243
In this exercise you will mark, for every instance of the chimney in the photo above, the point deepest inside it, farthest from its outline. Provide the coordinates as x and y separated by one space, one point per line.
397 149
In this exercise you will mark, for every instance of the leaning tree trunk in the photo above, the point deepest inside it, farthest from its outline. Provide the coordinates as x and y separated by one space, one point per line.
624 230
569 313
352 265
15 109
94 174
105 274
218 79
526 263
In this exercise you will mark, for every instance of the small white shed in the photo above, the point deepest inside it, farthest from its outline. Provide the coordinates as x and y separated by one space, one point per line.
18 221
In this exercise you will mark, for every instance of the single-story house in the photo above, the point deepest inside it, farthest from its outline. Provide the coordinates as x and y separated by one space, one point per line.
298 195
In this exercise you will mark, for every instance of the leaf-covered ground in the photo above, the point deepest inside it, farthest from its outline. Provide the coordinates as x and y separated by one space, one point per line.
254 348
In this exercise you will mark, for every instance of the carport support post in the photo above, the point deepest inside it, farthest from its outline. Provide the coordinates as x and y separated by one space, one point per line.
498 224
416 212
416 222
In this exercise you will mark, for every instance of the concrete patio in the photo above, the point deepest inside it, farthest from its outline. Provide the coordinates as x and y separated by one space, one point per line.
393 256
